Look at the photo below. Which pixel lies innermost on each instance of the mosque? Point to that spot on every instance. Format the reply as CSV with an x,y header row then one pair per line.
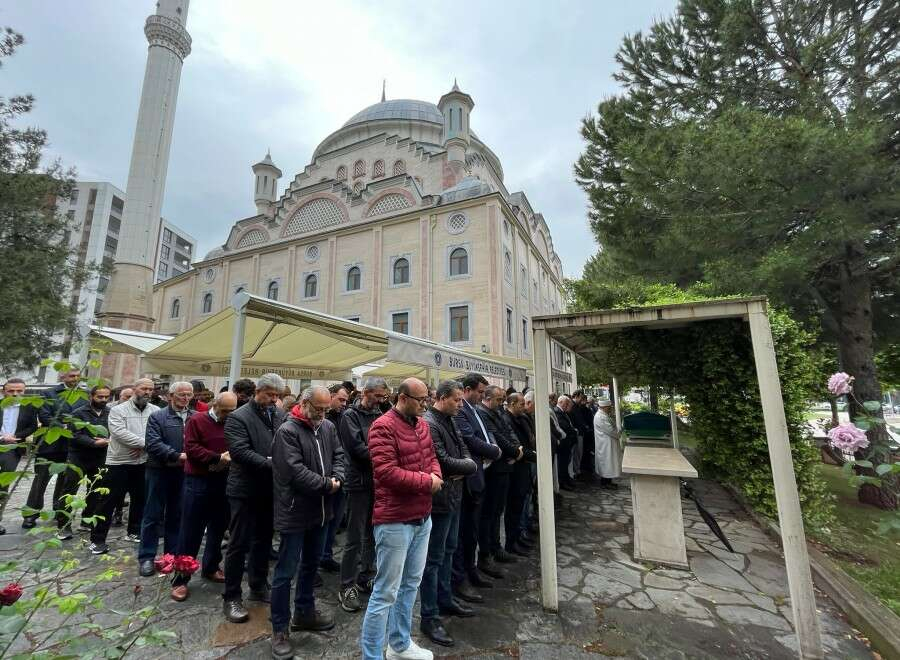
x,y
401,220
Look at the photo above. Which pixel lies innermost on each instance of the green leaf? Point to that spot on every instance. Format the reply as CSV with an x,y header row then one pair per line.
x,y
864,464
46,362
11,624
883,469
6,478
862,424
58,468
872,406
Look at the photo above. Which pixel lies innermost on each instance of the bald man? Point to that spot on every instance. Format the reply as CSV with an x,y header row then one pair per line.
x,y
204,505
407,474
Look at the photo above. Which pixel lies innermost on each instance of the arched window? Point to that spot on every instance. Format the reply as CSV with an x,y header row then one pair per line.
x,y
399,167
238,290
401,271
175,312
359,168
378,169
341,173
272,291
459,262
354,279
311,286
206,306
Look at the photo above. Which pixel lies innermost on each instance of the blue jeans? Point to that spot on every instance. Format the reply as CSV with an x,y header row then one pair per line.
x,y
338,500
401,551
435,590
162,506
296,548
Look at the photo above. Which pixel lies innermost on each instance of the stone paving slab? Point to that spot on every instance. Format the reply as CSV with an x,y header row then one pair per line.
x,y
727,606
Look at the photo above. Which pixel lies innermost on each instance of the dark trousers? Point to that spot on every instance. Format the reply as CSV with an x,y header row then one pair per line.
x,y
359,541
9,461
303,549
71,481
495,490
162,508
587,454
519,491
250,532
121,479
464,559
39,485
563,459
338,504
204,509
435,588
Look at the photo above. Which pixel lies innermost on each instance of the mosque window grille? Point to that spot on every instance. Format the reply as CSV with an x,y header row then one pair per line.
x,y
399,168
312,253
252,237
378,169
341,174
359,168
357,188
507,266
388,203
457,223
315,215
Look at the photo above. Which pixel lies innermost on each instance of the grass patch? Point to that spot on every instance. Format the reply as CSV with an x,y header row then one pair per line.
x,y
854,543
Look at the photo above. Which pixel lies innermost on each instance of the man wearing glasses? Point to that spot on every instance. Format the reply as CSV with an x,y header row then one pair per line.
x,y
359,541
406,474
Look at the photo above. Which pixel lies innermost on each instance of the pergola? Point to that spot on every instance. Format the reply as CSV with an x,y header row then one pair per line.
x,y
576,332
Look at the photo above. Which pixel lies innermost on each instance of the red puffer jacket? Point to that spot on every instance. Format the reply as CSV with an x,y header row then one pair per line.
x,y
403,461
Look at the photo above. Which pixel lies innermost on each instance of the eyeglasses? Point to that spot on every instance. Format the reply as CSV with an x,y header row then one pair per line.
x,y
420,399
320,409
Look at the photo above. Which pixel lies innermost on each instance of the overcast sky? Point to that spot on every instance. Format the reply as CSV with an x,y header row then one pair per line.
x,y
283,75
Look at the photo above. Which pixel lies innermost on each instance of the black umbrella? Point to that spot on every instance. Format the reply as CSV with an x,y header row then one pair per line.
x,y
706,515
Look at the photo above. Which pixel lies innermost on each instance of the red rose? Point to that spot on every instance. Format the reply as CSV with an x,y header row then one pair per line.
x,y
10,593
185,565
164,564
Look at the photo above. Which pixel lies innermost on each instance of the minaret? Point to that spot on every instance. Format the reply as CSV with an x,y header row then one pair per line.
x,y
265,189
129,300
456,106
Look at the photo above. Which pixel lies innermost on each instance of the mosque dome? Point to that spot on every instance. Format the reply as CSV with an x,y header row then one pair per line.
x,y
408,109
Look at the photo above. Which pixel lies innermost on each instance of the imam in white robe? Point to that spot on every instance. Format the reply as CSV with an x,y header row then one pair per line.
x,y
607,451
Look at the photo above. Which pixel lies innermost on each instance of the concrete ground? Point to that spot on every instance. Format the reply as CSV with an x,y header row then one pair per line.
x,y
726,606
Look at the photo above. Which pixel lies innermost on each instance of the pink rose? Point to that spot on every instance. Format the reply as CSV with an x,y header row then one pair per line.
x,y
848,438
164,564
185,565
840,383
10,593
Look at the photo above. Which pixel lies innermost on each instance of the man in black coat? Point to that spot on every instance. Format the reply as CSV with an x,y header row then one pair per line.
x,y
339,398
484,451
359,542
570,442
307,471
87,451
520,477
249,432
583,418
496,478
64,399
456,464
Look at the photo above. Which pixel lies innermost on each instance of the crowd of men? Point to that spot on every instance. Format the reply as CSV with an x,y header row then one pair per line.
x,y
424,481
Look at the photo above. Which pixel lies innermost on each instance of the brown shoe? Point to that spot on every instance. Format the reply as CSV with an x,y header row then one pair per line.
x,y
218,576
180,593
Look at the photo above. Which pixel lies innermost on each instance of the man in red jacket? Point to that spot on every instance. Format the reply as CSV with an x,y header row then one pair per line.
x,y
407,474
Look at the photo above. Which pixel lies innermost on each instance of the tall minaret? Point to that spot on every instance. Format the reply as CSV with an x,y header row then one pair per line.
x,y
129,299
456,106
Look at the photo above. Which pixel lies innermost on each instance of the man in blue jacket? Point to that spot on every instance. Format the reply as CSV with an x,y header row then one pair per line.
x,y
164,476
483,451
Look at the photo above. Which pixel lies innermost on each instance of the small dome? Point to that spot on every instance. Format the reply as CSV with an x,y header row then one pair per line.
x,y
214,253
399,109
470,186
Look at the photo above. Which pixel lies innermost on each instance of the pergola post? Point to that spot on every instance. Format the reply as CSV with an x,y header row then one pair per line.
x,y
793,539
549,587
617,408
237,338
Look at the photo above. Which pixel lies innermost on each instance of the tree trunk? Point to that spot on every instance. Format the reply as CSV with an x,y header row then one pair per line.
x,y
654,398
857,357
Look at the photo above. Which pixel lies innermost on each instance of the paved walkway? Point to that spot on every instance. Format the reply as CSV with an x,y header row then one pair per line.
x,y
726,606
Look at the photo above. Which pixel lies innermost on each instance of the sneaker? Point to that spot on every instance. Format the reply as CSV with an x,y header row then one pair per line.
x,y
412,652
366,586
349,599
98,548
64,534
134,538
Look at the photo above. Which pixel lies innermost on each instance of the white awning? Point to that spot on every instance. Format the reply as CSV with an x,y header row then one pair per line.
x,y
126,341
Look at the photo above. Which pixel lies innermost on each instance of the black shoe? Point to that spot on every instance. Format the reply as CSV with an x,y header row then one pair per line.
x,y
2,530
28,523
261,596
465,592
433,629
609,485
476,579
329,566
526,541
313,620
366,586
520,549
317,581
273,554
282,649
147,568
235,611
504,557
457,609
568,487
490,569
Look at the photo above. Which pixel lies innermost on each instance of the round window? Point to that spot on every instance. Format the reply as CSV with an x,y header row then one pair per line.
x,y
210,274
312,253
